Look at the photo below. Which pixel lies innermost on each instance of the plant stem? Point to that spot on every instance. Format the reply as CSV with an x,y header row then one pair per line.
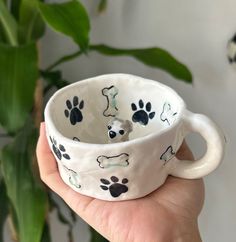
x,y
70,57
9,24
31,27
37,111
38,103
64,59
38,97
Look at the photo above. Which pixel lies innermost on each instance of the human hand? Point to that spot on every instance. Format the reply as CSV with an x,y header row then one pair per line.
x,y
168,214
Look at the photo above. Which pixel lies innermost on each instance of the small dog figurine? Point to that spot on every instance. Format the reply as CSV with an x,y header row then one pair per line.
x,y
118,130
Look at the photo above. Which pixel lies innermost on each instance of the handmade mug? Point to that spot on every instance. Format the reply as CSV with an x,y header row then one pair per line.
x,y
77,118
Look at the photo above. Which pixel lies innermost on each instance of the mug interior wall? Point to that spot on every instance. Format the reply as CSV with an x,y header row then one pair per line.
x,y
82,111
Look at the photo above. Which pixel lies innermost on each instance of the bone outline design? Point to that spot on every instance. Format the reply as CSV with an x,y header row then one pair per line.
x,y
73,177
116,160
167,114
168,154
110,93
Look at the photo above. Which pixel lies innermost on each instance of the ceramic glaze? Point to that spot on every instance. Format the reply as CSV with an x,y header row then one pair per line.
x,y
78,119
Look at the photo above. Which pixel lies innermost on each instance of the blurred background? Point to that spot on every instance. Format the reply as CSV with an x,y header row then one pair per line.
x,y
197,32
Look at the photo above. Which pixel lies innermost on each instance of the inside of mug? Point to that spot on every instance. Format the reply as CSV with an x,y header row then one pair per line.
x,y
113,108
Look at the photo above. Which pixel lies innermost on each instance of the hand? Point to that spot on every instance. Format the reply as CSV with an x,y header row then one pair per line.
x,y
168,214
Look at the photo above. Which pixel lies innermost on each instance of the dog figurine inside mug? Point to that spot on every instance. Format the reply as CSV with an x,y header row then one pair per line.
x,y
118,130
115,136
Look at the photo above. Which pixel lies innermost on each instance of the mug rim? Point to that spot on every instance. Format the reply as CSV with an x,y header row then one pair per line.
x,y
50,124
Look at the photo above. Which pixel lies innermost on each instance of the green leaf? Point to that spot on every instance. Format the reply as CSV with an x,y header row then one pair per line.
x,y
25,192
154,57
96,237
2,34
18,75
3,208
64,59
15,8
14,221
102,6
9,24
69,18
46,237
31,24
54,78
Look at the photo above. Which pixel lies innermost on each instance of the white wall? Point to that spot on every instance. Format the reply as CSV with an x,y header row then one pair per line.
x,y
196,32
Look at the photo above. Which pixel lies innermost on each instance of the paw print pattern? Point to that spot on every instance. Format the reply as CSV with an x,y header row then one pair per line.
x,y
59,152
142,114
115,189
74,111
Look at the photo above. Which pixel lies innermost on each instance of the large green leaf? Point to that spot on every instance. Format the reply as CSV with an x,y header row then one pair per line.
x,y
154,57
46,236
54,78
25,192
3,208
18,75
2,34
15,8
31,24
69,18
64,59
9,24
96,237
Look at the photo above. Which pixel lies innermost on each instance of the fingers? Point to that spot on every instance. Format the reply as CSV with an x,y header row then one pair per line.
x,y
50,176
46,160
48,166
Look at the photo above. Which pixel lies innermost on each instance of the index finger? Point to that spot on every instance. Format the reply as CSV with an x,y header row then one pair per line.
x,y
48,166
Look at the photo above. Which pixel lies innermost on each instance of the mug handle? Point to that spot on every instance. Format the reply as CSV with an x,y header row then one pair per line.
x,y
215,147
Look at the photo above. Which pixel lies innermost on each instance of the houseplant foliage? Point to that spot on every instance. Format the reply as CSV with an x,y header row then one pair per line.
x,y
24,200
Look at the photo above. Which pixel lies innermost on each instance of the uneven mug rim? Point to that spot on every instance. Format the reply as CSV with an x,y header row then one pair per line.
x,y
51,126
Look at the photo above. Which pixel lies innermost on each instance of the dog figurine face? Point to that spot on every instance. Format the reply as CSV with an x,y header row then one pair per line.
x,y
118,130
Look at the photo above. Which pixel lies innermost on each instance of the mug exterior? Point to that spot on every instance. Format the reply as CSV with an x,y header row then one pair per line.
x,y
143,166
116,171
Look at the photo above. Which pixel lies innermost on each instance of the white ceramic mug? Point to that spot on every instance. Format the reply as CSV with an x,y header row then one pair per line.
x,y
76,122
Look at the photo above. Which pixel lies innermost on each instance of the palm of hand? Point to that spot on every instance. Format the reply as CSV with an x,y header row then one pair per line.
x,y
176,203
148,218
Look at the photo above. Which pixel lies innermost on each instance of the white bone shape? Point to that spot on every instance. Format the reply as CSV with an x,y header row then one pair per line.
x,y
110,93
117,160
168,154
168,114
73,177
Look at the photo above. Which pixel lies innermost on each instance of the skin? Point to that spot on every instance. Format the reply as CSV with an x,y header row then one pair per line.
x,y
168,214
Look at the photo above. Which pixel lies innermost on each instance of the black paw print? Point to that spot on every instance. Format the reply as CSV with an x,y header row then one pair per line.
x,y
116,189
73,111
58,151
142,115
